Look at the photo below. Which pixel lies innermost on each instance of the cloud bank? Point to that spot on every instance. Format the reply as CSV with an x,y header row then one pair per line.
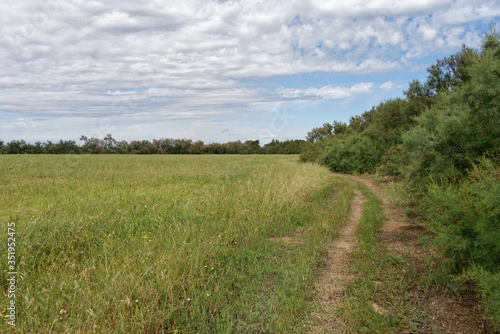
x,y
193,59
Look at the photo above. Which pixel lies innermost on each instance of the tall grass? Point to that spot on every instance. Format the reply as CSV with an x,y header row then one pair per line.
x,y
129,244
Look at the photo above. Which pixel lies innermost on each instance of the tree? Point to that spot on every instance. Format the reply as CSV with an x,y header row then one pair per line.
x,y
319,133
92,145
15,147
65,147
197,147
359,123
491,41
339,128
109,143
417,90
451,71
253,146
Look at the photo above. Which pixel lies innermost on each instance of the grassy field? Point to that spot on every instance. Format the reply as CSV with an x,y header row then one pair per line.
x,y
172,244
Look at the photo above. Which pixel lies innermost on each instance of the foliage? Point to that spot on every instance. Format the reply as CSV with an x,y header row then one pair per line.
x,y
355,154
284,147
109,145
319,133
326,131
450,72
443,142
360,147
466,218
459,128
488,285
311,151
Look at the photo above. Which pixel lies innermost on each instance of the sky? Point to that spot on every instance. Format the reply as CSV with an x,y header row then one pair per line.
x,y
216,70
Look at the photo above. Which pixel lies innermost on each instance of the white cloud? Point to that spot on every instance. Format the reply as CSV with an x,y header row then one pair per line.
x,y
387,85
326,92
361,8
184,57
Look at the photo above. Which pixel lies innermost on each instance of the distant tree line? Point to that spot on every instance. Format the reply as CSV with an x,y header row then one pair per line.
x,y
442,141
109,145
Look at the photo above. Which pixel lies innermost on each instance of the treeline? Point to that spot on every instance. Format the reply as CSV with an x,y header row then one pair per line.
x,y
442,140
108,145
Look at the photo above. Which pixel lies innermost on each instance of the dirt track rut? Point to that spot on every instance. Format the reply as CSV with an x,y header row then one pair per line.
x,y
336,271
401,236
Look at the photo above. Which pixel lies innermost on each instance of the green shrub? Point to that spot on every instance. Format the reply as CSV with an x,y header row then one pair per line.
x,y
311,152
356,153
465,217
488,285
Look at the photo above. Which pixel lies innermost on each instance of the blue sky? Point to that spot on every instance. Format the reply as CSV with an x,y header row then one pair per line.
x,y
212,70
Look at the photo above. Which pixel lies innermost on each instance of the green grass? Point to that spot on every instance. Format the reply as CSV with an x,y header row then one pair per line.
x,y
379,299
172,244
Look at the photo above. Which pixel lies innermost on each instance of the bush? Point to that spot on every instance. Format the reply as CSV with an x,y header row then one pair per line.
x,y
465,217
312,151
356,153
488,285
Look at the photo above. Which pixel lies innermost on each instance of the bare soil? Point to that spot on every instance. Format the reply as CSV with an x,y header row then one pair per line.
x,y
336,272
401,236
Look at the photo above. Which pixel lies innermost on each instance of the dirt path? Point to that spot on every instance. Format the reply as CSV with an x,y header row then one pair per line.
x,y
401,236
336,272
